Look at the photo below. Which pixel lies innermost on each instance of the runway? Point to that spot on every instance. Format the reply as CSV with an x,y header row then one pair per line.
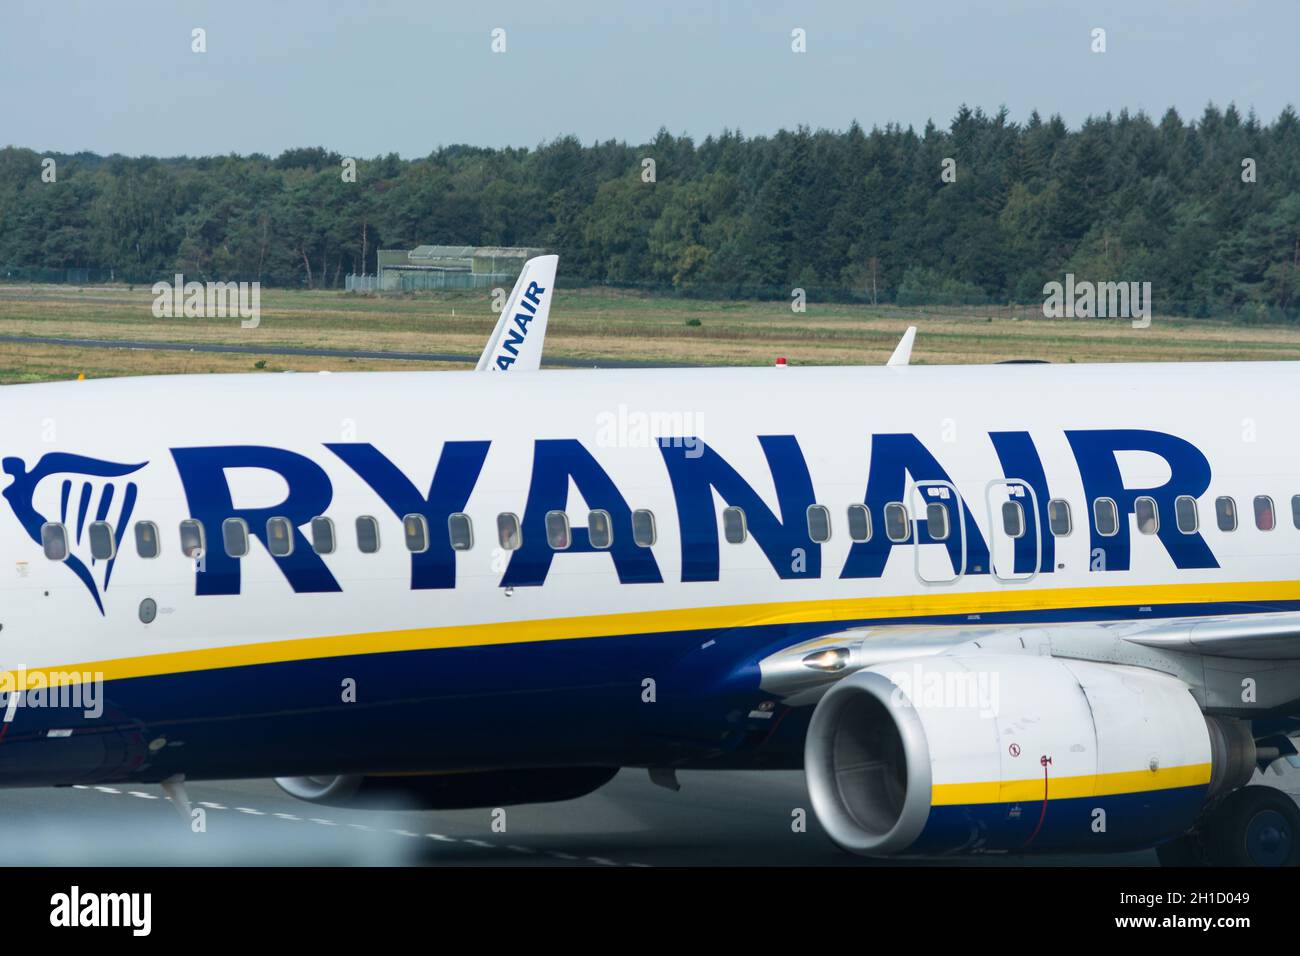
x,y
721,818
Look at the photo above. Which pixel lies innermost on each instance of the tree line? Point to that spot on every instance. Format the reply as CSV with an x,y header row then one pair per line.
x,y
1207,210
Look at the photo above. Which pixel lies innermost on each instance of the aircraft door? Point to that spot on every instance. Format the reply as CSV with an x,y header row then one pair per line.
x,y
1015,538
938,532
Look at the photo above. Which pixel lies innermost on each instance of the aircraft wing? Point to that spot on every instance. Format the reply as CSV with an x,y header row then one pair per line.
x,y
516,341
1180,646
1243,636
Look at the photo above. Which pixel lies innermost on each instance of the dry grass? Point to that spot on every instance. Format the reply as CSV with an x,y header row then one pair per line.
x,y
588,324
47,363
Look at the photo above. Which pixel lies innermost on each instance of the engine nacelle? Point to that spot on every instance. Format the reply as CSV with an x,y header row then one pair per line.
x,y
448,791
982,752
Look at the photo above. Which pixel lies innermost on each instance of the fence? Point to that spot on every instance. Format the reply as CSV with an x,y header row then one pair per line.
x,y
76,275
70,276
426,280
921,301
361,283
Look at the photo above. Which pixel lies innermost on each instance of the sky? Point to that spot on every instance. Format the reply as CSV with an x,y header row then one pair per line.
x,y
408,76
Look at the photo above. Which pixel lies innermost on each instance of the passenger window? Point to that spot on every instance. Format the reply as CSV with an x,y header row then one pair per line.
x,y
1059,520
733,525
1225,511
643,528
1013,519
1147,514
461,532
322,535
600,531
1264,519
192,538
557,530
234,535
1185,514
1105,514
819,523
367,534
859,523
508,531
416,531
279,537
896,523
1295,510
146,539
102,545
936,521
54,540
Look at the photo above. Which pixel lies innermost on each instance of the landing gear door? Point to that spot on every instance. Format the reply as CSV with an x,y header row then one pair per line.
x,y
1015,538
938,532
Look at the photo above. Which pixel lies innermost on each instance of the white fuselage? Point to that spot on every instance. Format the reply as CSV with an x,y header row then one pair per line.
x,y
1239,417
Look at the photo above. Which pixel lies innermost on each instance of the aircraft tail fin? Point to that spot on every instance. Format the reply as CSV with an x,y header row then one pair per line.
x,y
903,351
516,342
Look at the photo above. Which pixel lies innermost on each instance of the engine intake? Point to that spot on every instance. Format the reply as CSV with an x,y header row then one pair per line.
x,y
982,752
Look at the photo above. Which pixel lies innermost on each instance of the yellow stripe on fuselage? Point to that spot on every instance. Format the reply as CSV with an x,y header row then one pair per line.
x,y
725,617
1066,788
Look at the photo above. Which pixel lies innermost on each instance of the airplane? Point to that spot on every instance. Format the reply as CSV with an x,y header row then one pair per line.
x,y
1005,609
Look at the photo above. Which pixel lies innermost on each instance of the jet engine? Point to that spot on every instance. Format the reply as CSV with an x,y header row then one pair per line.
x,y
983,752
448,791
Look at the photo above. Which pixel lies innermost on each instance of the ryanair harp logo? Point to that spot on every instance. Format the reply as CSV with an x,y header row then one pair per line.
x,y
75,491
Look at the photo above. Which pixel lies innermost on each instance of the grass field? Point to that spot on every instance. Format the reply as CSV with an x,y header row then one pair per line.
x,y
588,324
